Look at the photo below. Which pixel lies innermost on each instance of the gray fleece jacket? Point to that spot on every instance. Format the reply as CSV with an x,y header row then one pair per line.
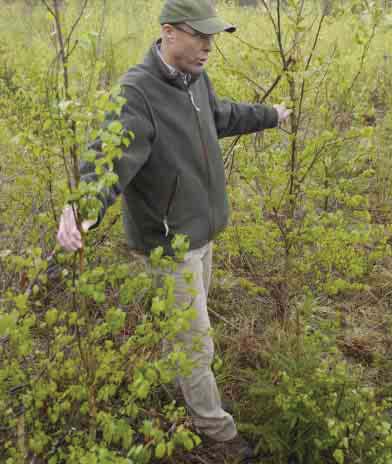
x,y
171,176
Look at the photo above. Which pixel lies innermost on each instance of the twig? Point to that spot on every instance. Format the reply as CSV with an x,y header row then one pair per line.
x,y
320,150
316,39
199,458
279,35
75,24
105,236
266,6
240,73
51,11
363,56
227,155
222,318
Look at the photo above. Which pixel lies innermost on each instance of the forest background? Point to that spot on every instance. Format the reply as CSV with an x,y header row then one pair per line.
x,y
301,293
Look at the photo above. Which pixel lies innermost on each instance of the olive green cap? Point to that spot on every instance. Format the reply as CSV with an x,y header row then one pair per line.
x,y
198,14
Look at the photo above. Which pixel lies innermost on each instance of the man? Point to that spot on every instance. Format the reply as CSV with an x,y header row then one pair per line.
x,y
172,179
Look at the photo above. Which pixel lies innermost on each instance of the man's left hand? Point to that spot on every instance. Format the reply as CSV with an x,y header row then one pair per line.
x,y
283,113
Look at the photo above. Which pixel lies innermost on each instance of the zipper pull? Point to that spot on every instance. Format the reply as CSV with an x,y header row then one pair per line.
x,y
166,225
193,101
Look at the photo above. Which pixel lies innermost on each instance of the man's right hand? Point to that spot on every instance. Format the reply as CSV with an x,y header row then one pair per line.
x,y
68,235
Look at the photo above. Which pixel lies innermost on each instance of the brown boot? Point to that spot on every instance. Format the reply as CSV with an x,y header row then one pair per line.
x,y
234,451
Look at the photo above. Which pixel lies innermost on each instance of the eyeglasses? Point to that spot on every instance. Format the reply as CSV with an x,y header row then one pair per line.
x,y
193,33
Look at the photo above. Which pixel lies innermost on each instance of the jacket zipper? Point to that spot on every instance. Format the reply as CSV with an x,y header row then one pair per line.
x,y
169,205
193,100
197,109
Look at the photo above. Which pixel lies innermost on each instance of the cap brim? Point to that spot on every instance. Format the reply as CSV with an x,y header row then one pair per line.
x,y
211,26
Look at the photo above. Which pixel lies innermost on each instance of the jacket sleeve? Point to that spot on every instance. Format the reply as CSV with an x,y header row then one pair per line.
x,y
240,118
136,117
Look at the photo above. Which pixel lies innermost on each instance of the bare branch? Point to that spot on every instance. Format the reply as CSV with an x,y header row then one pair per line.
x,y
318,152
75,24
279,35
316,39
240,73
265,51
266,6
228,154
363,57
51,11
309,60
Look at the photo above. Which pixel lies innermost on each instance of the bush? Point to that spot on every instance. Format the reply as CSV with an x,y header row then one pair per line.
x,y
312,405
76,379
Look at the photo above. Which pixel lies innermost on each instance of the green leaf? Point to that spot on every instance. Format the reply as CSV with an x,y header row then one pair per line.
x,y
143,391
21,301
196,439
339,456
170,448
51,317
115,318
188,443
115,127
89,156
160,450
158,306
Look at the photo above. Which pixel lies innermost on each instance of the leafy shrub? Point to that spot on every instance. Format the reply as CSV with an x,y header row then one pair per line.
x,y
311,404
76,378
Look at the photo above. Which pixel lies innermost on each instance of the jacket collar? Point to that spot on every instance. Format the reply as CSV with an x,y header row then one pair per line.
x,y
157,66
172,69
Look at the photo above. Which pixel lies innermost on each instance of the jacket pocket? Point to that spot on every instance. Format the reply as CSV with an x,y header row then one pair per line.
x,y
170,203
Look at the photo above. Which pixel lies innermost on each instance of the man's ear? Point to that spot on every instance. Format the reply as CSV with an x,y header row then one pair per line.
x,y
168,32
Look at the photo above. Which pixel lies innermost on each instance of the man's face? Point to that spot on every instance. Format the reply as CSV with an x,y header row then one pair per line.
x,y
189,49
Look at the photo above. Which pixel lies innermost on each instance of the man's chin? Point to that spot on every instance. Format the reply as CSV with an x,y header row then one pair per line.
x,y
196,70
193,70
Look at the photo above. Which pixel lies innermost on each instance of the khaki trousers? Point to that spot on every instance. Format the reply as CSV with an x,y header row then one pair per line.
x,y
199,389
